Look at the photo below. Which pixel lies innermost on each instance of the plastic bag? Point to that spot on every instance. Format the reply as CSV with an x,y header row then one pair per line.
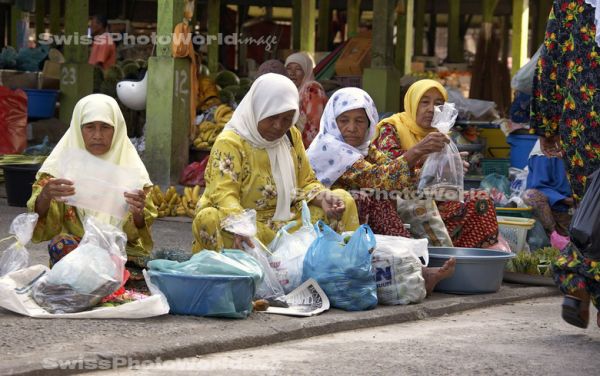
x,y
442,175
16,256
269,288
519,184
242,224
289,251
13,121
83,277
425,221
469,108
193,174
398,269
523,79
498,187
585,227
343,269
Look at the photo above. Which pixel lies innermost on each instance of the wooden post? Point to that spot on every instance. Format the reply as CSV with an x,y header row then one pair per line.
x,y
54,17
77,76
404,36
543,8
15,15
455,43
168,104
352,18
214,15
520,31
382,80
242,49
431,33
307,26
296,22
324,23
419,26
505,36
40,15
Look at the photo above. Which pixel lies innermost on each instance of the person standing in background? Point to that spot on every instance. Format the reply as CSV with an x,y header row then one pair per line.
x,y
104,51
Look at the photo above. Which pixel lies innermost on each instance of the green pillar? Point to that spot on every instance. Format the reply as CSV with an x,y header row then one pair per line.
x,y
54,17
324,22
382,80
40,15
352,17
520,31
489,7
77,76
307,26
404,40
168,103
296,21
455,43
419,26
543,7
214,15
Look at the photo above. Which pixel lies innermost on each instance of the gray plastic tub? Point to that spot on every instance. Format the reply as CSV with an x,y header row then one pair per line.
x,y
478,271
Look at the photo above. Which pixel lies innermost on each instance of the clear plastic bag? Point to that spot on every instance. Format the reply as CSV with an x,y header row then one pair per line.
x,y
83,277
289,251
16,256
523,79
242,224
398,269
442,175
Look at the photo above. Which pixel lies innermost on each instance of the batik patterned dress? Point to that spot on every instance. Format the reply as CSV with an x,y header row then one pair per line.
x,y
312,102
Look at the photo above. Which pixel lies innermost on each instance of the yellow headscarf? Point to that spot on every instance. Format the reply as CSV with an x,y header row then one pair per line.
x,y
409,132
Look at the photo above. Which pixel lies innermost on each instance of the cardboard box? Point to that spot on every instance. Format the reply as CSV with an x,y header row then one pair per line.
x,y
19,80
355,57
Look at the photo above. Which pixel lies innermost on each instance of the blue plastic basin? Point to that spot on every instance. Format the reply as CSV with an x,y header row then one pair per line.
x,y
41,103
478,271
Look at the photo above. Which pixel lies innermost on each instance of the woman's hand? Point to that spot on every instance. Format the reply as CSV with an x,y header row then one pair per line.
x,y
332,205
464,155
57,190
137,202
551,146
239,240
432,143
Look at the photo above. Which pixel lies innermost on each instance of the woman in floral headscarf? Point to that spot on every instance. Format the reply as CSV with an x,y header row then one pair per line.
x,y
299,68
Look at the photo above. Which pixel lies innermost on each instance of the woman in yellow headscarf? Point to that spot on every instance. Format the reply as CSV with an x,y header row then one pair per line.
x,y
97,130
409,133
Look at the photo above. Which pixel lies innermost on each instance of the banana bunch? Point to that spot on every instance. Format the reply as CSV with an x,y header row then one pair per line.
x,y
209,130
189,200
166,203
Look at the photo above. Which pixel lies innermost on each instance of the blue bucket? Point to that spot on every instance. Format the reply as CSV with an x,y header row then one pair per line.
x,y
41,103
520,147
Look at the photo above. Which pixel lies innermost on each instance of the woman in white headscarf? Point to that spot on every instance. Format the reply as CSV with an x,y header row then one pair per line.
x,y
299,67
97,130
258,162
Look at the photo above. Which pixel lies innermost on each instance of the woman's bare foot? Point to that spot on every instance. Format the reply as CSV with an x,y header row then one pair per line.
x,y
433,276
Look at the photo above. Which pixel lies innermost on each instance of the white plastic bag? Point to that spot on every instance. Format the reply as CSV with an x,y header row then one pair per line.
x,y
289,251
16,256
442,175
242,224
87,274
398,269
101,191
523,79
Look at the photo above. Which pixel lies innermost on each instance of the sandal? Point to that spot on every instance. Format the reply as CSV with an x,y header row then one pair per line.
x,y
572,312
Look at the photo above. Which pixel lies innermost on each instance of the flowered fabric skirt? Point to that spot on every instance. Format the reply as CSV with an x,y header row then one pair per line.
x,y
573,271
380,215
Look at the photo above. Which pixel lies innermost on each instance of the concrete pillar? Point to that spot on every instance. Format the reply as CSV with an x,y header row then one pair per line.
x,y
419,26
455,43
214,16
382,80
307,26
77,76
520,31
40,15
404,35
352,18
168,103
54,17
324,23
489,6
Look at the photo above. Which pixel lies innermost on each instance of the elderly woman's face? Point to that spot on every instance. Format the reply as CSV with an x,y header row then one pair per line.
x,y
353,126
429,100
295,73
274,127
97,137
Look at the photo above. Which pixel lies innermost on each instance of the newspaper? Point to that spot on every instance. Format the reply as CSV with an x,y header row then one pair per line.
x,y
306,300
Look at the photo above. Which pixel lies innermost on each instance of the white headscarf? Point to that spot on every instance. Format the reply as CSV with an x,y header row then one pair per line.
x,y
596,5
307,64
270,94
329,154
97,107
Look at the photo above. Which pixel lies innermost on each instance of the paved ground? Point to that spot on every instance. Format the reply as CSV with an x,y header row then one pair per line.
x,y
525,338
31,346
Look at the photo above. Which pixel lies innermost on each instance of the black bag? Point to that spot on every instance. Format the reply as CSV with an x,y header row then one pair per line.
x,y
585,227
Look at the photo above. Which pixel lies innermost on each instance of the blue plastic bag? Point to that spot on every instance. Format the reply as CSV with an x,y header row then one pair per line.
x,y
343,270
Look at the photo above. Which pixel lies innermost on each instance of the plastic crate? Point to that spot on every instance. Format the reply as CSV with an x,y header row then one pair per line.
x,y
514,230
515,212
349,81
499,166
